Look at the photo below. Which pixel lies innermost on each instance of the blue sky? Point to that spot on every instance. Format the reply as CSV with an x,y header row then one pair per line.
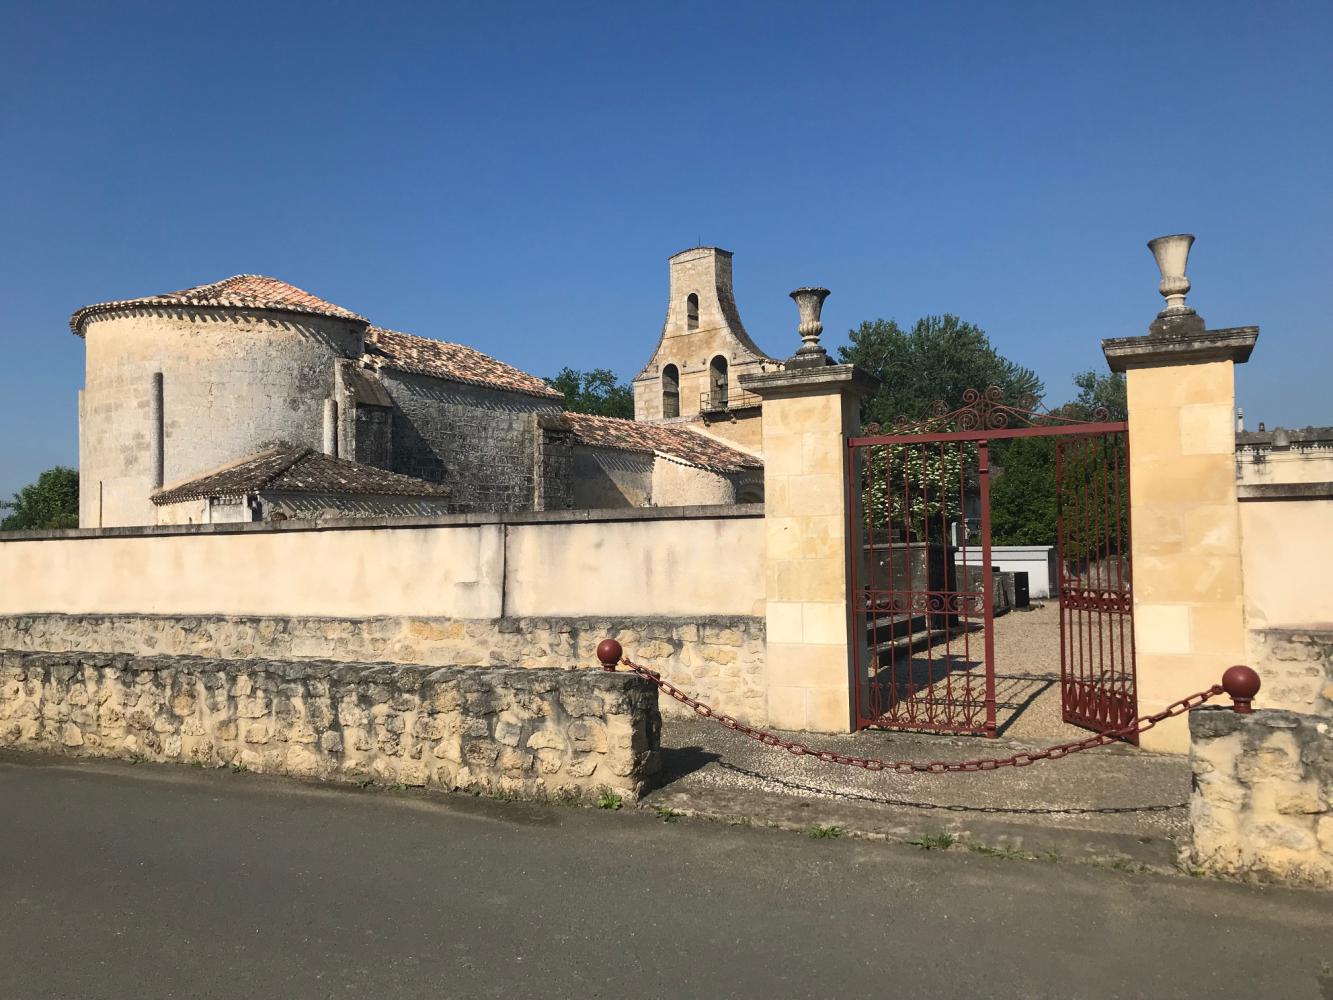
x,y
514,176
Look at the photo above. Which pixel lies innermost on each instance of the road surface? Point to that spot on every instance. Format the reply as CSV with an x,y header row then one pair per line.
x,y
161,881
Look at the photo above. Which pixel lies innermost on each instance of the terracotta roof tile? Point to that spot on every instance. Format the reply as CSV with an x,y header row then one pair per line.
x,y
298,470
679,443
405,352
243,291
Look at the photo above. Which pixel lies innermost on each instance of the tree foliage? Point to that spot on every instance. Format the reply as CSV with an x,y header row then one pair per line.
x,y
914,491
1096,390
937,360
51,502
598,392
1024,500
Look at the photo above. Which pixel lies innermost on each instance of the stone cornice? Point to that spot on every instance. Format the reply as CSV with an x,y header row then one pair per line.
x,y
1284,491
1231,344
717,512
799,381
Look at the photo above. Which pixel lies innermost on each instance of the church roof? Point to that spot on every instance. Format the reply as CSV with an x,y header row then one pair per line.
x,y
241,291
679,443
386,349
290,469
405,352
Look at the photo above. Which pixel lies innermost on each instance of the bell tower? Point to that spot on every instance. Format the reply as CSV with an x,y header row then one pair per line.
x,y
703,348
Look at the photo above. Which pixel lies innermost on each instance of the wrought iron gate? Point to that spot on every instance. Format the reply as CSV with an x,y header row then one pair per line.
x,y
922,588
1097,681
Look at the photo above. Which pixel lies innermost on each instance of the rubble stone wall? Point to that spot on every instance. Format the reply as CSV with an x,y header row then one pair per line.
x,y
537,733
1263,795
719,659
1296,665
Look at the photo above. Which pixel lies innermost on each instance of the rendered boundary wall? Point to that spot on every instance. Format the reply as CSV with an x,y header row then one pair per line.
x,y
537,733
682,588
1286,541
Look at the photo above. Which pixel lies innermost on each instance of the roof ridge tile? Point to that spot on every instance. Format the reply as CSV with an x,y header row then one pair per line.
x,y
240,291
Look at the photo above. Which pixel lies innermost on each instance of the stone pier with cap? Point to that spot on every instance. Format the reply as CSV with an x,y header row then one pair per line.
x,y
811,407
1188,607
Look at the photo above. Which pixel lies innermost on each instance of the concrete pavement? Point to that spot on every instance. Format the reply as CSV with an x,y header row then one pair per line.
x,y
1113,803
164,881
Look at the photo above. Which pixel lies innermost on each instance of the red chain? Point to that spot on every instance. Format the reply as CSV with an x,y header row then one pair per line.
x,y
935,766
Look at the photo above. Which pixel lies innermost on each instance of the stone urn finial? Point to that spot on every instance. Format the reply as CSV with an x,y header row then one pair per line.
x,y
810,301
1172,254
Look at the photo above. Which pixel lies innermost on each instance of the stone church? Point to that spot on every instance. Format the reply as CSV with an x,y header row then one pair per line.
x,y
251,399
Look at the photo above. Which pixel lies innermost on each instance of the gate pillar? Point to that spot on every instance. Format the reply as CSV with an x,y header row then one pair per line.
x,y
1185,519
810,408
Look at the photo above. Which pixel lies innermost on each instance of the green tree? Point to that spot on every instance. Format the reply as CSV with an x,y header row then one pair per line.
x,y
914,489
939,359
51,502
1095,391
1024,499
1023,495
598,392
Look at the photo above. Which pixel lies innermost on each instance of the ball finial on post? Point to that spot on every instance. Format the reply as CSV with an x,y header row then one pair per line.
x,y
609,652
1242,683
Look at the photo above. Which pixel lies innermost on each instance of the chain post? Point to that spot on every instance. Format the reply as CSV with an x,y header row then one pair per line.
x,y
1242,684
609,652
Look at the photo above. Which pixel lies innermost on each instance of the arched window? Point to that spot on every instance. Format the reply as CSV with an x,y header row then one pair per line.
x,y
717,382
692,311
670,391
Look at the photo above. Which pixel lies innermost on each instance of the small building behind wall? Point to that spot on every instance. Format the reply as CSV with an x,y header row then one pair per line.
x,y
1285,486
1284,456
292,482
1037,561
629,463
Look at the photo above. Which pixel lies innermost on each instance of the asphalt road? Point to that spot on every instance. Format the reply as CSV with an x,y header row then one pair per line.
x,y
155,881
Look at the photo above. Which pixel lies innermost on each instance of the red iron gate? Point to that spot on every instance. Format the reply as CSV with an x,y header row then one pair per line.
x,y
1097,680
922,586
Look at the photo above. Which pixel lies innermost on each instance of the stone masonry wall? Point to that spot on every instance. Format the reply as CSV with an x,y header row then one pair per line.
x,y
1263,795
560,733
1296,665
553,464
718,659
479,441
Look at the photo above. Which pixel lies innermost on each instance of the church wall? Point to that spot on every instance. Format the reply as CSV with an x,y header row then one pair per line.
x,y
232,384
609,478
480,442
744,430
679,485
195,512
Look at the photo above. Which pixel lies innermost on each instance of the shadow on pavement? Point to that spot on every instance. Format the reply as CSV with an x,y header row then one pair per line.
x,y
677,762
